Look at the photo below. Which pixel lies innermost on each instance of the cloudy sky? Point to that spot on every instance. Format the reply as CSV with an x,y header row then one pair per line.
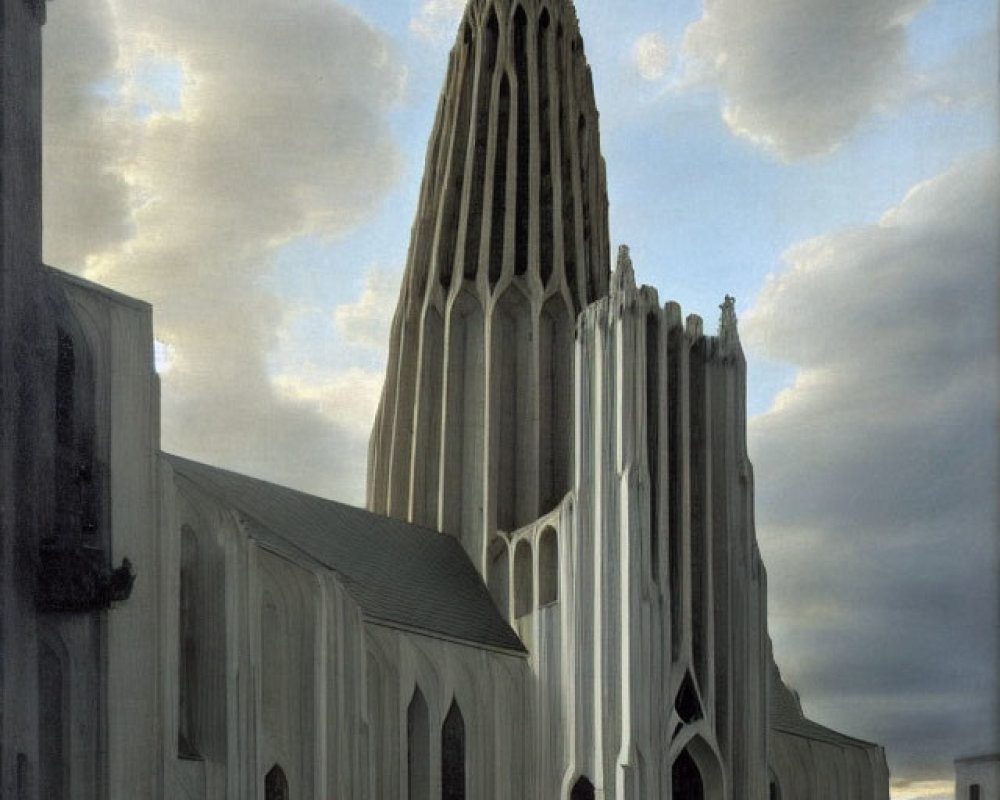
x,y
251,167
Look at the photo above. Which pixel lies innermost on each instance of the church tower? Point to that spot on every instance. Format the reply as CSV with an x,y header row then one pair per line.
x,y
474,429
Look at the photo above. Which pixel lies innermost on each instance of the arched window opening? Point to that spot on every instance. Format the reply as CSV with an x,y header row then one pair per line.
x,y
555,439
974,791
276,784
548,567
653,435
418,748
499,575
583,789
428,431
522,213
456,171
498,215
583,140
687,705
512,342
480,144
188,650
463,432
546,144
453,755
676,342
524,599
775,793
567,189
686,779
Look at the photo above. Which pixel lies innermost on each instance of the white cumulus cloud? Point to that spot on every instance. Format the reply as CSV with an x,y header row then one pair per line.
x,y
651,55
184,145
437,20
366,322
799,77
877,472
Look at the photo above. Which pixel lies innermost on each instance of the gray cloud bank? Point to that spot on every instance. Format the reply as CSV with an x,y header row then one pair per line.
x,y
799,77
280,130
877,472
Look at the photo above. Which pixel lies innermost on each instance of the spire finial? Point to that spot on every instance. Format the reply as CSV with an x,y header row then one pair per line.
x,y
728,328
624,276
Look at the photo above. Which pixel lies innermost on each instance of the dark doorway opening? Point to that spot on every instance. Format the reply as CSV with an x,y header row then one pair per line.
x,y
687,780
582,790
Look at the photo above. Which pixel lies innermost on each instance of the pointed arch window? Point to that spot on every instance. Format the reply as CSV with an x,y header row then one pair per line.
x,y
276,784
583,789
548,567
686,779
418,754
524,599
453,755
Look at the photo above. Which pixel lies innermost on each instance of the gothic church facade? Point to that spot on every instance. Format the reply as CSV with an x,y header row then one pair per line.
x,y
556,589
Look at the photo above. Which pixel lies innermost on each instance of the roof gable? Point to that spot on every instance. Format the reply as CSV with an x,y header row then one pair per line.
x,y
400,574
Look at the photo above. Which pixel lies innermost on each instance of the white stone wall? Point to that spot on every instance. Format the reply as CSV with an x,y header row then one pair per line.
x,y
290,673
121,684
983,771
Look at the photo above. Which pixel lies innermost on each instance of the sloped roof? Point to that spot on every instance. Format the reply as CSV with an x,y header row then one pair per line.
x,y
786,716
399,573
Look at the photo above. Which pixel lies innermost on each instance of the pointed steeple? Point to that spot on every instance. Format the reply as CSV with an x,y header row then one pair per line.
x,y
514,182
509,244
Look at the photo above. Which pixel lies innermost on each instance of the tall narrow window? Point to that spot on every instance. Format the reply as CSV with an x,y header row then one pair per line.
x,y
545,143
524,600
499,575
418,748
187,731
653,435
974,792
548,567
512,342
522,213
453,755
498,215
583,789
567,188
480,143
276,784
686,779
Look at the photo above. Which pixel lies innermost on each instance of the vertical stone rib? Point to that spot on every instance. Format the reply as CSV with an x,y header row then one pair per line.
x,y
522,203
498,207
675,346
446,231
567,179
546,149
480,146
425,464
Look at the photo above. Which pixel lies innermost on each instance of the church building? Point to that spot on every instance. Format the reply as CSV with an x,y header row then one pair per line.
x,y
555,590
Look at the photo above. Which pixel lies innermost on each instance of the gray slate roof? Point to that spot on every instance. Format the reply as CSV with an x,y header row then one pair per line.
x,y
399,573
786,716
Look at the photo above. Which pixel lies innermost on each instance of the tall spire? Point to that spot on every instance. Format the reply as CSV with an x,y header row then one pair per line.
x,y
509,244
